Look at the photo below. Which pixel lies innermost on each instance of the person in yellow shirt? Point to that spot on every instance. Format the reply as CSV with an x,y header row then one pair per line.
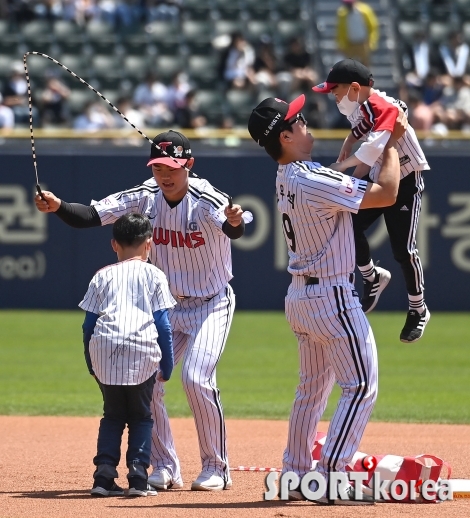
x,y
357,31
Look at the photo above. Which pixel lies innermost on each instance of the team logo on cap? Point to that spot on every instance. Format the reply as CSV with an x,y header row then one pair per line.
x,y
164,145
280,100
321,85
178,150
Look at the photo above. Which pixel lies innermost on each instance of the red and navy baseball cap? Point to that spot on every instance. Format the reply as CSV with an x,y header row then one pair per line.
x,y
266,119
346,71
174,144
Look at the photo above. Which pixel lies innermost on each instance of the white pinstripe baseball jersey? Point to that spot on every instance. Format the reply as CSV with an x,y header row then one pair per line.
x,y
123,347
315,203
369,122
188,245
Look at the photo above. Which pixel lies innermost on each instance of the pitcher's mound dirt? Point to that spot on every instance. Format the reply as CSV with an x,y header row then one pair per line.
x,y
46,467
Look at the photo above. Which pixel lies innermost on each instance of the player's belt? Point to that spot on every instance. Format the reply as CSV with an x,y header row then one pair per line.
x,y
310,281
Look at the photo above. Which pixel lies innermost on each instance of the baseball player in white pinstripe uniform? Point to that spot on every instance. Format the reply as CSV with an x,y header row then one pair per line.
x,y
372,115
192,228
127,338
334,337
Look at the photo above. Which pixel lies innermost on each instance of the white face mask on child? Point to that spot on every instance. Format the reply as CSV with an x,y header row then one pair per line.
x,y
347,107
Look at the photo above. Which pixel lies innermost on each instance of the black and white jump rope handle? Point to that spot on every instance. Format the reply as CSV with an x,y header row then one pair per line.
x,y
30,103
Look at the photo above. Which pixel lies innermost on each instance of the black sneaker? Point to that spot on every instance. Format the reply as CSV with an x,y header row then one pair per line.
x,y
106,487
414,325
373,289
140,487
348,499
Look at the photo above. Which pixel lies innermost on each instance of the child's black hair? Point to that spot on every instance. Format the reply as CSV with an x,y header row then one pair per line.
x,y
132,229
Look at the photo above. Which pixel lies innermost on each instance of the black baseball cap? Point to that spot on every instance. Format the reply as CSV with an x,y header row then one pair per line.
x,y
346,71
265,120
174,144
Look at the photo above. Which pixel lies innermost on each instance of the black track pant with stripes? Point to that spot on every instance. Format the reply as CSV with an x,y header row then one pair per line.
x,y
401,220
336,344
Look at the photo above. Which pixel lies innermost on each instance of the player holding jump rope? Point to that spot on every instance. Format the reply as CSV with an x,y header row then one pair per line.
x,y
335,339
192,229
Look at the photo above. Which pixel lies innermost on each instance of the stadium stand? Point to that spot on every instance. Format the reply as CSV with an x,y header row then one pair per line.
x,y
115,52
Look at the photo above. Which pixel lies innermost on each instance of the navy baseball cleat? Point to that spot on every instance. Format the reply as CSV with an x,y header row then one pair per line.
x,y
139,487
106,487
373,289
414,326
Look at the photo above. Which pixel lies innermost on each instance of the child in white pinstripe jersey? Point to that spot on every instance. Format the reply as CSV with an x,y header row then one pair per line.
x,y
127,339
335,340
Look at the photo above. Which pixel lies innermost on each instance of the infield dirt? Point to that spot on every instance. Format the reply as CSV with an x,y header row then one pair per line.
x,y
46,467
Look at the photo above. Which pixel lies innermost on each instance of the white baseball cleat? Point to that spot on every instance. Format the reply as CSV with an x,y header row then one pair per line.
x,y
161,479
210,482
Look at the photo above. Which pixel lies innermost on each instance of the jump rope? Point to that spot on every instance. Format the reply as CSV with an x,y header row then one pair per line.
x,y
247,216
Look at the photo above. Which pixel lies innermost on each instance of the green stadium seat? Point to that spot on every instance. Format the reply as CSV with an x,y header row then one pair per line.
x,y
136,66
408,29
101,37
37,33
256,28
287,29
69,36
210,103
76,63
163,31
439,31
203,70
228,26
6,61
167,66
79,98
463,9
196,30
240,104
106,66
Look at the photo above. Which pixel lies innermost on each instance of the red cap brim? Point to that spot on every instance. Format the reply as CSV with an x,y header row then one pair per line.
x,y
295,107
324,88
166,160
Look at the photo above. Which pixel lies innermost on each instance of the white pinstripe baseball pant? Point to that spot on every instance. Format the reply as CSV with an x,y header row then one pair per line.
x,y
200,331
335,343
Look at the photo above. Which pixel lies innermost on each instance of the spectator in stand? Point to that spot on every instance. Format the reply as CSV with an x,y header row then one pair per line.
x,y
7,118
298,63
417,59
421,116
54,106
21,11
454,55
15,94
95,117
237,63
177,90
151,98
432,88
121,13
163,10
189,114
454,110
126,107
265,67
357,31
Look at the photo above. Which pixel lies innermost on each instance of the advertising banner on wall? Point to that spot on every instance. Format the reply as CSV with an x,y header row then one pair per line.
x,y
46,264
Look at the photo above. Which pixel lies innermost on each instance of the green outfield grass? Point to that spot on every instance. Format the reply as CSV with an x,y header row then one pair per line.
x,y
42,370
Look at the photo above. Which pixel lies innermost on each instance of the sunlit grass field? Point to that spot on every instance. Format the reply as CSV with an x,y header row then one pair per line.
x,y
43,372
